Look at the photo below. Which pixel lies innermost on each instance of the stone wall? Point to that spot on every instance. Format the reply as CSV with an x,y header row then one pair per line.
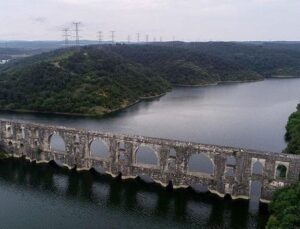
x,y
234,169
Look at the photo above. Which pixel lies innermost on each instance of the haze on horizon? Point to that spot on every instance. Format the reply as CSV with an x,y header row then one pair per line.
x,y
188,20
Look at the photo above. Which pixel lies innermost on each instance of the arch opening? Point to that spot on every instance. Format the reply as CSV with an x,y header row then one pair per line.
x,y
57,143
146,155
122,156
201,163
172,153
281,171
257,168
99,149
122,146
231,161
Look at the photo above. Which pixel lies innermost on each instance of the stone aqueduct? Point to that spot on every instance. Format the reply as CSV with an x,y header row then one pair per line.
x,y
233,168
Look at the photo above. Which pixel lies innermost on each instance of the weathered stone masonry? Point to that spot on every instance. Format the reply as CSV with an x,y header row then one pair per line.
x,y
33,142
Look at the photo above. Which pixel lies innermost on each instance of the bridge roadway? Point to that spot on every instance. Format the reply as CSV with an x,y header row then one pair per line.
x,y
21,139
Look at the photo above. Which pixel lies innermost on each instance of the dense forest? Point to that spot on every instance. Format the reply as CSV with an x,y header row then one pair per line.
x,y
293,132
266,58
184,67
88,80
95,80
285,205
285,208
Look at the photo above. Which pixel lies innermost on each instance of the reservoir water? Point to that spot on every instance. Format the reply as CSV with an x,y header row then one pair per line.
x,y
250,115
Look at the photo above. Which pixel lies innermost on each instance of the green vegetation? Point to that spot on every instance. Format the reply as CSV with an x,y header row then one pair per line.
x,y
2,155
265,58
293,132
89,80
95,80
181,66
285,208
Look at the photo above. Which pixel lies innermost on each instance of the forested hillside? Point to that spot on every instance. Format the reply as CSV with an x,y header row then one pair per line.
x,y
184,67
95,80
265,58
88,80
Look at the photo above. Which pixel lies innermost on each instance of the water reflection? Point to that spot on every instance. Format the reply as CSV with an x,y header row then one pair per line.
x,y
100,199
250,115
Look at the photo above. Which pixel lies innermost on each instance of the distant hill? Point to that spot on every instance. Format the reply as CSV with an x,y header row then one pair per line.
x,y
95,80
265,58
184,67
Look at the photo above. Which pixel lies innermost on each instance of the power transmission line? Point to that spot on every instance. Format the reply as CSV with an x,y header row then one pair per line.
x,y
77,32
147,38
128,39
112,36
66,35
100,37
138,37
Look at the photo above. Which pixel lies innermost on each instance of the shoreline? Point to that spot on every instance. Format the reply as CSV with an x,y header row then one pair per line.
x,y
141,99
217,83
85,115
283,77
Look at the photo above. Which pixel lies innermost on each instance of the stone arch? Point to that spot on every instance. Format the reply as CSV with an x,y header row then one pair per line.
x,y
201,163
146,155
281,171
99,148
257,167
57,143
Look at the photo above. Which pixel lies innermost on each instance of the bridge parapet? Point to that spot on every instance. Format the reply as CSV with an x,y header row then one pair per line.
x,y
234,169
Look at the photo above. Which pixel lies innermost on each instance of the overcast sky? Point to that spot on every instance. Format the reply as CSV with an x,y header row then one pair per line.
x,y
188,20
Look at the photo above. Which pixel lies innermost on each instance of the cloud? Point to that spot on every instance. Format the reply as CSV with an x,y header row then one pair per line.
x,y
39,19
184,19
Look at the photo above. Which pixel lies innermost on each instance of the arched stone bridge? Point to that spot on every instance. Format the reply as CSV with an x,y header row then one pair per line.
x,y
234,169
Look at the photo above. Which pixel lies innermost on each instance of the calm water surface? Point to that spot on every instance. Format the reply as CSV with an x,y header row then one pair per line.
x,y
251,115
